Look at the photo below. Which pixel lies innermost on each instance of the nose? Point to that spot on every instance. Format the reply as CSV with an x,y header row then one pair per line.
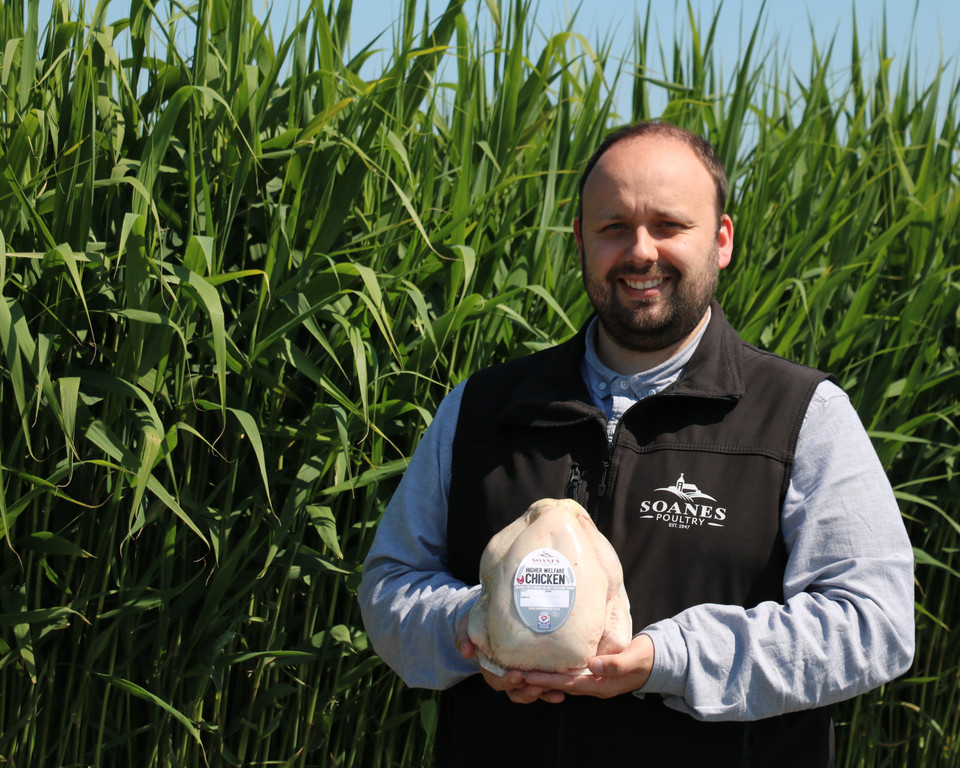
x,y
644,246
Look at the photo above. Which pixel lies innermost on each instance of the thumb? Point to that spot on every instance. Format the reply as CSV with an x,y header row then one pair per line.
x,y
605,666
464,644
466,648
636,660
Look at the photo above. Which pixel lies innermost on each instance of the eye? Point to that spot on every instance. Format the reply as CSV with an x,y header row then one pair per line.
x,y
671,226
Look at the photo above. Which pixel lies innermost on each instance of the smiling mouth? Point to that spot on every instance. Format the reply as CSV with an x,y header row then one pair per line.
x,y
643,285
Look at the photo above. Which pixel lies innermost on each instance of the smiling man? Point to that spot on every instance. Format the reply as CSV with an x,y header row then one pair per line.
x,y
768,570
652,237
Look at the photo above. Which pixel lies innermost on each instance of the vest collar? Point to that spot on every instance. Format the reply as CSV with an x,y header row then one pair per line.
x,y
716,369
555,394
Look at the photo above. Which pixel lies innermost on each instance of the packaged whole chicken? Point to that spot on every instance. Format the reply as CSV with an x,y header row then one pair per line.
x,y
552,593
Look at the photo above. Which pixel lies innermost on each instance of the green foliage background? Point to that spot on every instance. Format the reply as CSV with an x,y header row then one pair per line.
x,y
238,277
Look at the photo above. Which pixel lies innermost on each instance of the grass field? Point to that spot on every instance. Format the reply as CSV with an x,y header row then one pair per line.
x,y
237,280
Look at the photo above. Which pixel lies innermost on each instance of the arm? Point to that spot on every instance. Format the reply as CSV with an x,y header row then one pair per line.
x,y
414,611
411,605
847,622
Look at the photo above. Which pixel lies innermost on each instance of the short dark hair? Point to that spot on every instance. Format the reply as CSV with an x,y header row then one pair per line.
x,y
702,148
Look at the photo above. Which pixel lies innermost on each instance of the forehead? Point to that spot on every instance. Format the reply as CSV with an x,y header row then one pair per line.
x,y
660,168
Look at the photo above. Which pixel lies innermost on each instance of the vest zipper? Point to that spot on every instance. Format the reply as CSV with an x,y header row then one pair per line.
x,y
573,484
602,487
611,449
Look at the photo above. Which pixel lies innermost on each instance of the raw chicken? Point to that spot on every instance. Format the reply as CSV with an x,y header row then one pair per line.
x,y
553,594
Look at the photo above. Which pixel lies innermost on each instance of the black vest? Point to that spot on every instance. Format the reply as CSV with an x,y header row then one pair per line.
x,y
689,494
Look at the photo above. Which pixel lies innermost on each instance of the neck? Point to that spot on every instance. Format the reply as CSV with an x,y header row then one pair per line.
x,y
627,362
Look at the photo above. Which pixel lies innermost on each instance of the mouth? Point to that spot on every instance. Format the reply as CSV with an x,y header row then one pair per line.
x,y
645,287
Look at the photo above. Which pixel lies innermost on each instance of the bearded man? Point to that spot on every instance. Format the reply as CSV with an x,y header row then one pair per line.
x,y
753,615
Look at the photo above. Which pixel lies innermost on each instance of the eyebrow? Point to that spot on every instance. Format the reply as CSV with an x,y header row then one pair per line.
x,y
672,214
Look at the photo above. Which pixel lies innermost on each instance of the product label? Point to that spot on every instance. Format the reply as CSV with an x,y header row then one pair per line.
x,y
544,590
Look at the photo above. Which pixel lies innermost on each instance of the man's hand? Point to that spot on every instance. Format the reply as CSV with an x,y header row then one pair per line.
x,y
612,674
513,682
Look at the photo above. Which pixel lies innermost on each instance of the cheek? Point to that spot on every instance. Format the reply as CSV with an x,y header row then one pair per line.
x,y
591,267
689,257
597,257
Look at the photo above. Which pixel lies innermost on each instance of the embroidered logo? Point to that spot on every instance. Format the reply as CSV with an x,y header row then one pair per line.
x,y
686,510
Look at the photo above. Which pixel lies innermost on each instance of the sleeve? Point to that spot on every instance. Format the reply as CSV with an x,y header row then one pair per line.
x,y
411,605
847,623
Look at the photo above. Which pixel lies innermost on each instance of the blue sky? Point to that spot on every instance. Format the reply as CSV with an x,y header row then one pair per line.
x,y
786,22
929,37
924,29
932,34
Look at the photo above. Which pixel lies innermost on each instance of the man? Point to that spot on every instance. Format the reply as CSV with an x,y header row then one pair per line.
x,y
767,566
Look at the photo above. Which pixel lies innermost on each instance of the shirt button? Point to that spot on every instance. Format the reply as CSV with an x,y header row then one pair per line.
x,y
623,384
602,385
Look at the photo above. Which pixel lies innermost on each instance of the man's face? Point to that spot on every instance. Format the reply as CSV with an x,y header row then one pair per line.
x,y
650,244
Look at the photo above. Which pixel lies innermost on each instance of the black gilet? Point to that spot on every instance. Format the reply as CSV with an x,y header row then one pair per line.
x,y
689,493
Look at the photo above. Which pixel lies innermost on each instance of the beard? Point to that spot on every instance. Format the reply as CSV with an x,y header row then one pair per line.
x,y
655,324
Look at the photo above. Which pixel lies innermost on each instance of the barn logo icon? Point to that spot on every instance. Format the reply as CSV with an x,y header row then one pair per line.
x,y
686,507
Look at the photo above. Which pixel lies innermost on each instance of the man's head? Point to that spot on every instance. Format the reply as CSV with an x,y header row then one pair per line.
x,y
702,148
652,237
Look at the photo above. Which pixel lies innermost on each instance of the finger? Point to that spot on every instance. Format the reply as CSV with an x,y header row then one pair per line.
x,y
525,694
462,639
512,680
552,697
548,680
466,648
520,697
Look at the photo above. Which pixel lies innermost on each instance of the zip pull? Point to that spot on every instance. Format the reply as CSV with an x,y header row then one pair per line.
x,y
573,483
601,489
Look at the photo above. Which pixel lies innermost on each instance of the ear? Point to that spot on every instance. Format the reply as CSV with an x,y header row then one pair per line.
x,y
725,241
579,235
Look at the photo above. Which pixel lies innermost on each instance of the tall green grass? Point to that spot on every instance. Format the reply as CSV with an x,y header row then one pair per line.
x,y
239,275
